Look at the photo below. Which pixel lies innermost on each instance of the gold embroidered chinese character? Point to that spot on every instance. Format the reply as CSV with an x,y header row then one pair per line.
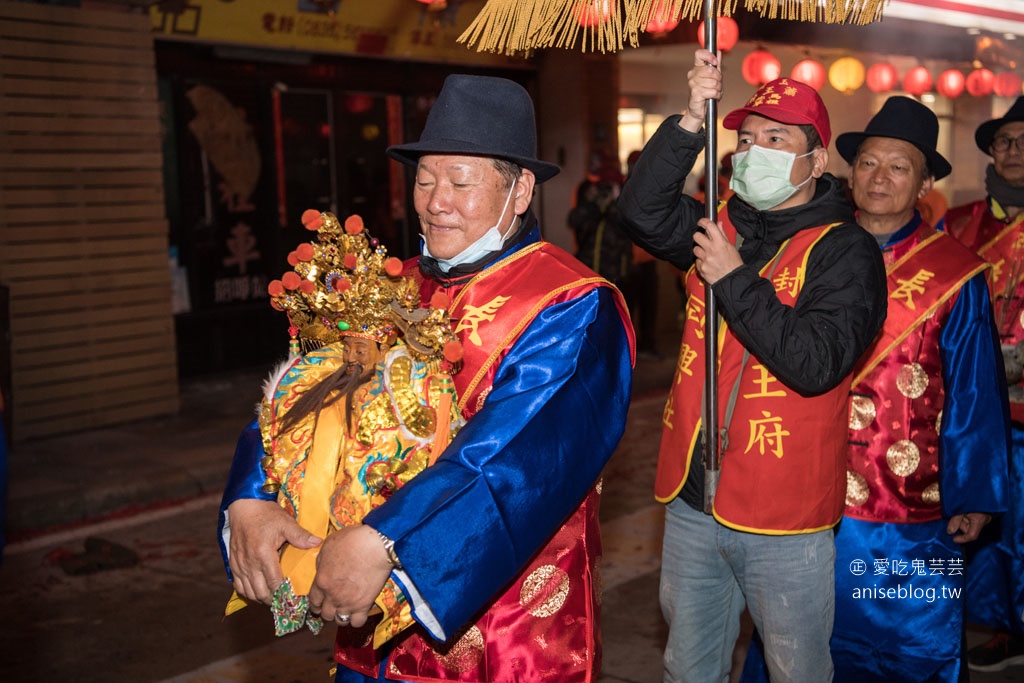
x,y
997,271
666,417
687,355
789,283
474,315
695,312
908,288
767,433
763,381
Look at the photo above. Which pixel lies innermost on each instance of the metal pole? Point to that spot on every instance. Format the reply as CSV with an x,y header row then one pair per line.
x,y
710,417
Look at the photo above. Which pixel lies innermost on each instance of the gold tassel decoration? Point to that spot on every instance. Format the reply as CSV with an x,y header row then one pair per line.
x,y
518,27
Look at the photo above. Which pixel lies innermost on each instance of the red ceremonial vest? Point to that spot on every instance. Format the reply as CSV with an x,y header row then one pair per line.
x,y
783,463
546,625
999,241
898,391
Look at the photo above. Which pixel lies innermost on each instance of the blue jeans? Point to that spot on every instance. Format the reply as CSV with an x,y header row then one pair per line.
x,y
709,572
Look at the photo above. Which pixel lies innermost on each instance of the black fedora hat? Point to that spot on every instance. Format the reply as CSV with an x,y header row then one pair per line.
x,y
905,119
480,116
986,132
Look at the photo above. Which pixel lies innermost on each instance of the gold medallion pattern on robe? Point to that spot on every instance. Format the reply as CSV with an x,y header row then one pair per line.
x,y
903,457
856,489
931,493
862,412
466,653
912,380
544,591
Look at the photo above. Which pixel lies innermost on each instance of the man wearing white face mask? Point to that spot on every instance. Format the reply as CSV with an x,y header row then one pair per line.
x,y
802,292
495,546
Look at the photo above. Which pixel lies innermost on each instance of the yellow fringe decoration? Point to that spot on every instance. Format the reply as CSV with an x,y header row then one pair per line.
x,y
518,27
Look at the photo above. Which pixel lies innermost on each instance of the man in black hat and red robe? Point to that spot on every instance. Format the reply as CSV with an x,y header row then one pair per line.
x,y
994,228
496,545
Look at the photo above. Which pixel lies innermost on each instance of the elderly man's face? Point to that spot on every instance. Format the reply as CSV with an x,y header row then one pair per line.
x,y
1009,163
459,198
887,179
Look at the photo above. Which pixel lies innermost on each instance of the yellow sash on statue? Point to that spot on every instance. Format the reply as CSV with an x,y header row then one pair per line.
x,y
319,481
299,564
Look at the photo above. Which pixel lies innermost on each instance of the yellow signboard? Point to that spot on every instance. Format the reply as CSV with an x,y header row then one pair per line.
x,y
396,29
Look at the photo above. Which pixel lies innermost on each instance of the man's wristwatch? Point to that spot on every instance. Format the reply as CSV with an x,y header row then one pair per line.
x,y
389,547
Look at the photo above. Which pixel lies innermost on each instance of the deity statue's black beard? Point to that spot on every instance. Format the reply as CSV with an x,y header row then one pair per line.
x,y
342,383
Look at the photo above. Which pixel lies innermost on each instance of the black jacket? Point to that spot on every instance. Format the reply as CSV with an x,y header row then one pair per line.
x,y
811,347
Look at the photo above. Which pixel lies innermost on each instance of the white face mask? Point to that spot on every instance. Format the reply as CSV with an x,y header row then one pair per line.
x,y
760,176
490,241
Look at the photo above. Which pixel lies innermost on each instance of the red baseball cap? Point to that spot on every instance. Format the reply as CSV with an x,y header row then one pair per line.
x,y
787,101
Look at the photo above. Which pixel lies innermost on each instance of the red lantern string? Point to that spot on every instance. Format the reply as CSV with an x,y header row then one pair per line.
x,y
727,33
950,83
917,81
810,72
980,82
882,77
761,66
1007,84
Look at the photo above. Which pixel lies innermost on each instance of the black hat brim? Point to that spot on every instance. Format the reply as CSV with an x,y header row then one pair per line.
x,y
848,143
409,154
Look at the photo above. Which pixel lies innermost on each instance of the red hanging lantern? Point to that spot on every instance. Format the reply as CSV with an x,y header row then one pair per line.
x,y
1007,84
435,5
810,72
950,83
917,81
594,13
727,33
980,82
761,66
882,77
661,20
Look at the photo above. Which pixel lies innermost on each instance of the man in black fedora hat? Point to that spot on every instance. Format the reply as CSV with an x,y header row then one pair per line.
x,y
928,421
994,228
495,546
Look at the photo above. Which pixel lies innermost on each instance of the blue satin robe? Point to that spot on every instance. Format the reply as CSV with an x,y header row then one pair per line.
x,y
906,638
511,477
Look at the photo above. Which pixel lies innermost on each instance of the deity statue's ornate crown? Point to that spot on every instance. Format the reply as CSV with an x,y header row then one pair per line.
x,y
345,285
